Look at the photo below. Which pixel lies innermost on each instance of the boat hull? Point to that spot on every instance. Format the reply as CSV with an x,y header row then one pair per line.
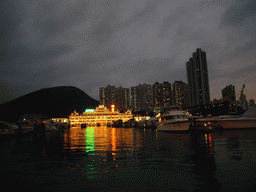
x,y
177,126
237,123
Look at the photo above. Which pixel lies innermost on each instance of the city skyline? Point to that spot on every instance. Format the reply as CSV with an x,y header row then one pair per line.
x,y
90,44
166,94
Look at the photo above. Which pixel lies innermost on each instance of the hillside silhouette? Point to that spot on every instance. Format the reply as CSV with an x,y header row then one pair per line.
x,y
51,102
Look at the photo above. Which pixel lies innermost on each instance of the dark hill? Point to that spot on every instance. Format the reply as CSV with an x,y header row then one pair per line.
x,y
52,102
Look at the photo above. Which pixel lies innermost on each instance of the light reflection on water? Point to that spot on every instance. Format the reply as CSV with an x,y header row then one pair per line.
x,y
104,158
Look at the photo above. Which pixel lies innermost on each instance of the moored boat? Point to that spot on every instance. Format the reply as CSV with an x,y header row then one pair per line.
x,y
175,119
7,128
131,123
11,128
49,126
247,120
204,124
118,123
60,125
238,123
142,123
151,123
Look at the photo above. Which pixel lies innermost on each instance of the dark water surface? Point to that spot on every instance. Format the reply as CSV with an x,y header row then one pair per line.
x,y
130,159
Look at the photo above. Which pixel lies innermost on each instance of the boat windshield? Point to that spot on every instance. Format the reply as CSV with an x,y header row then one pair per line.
x,y
174,117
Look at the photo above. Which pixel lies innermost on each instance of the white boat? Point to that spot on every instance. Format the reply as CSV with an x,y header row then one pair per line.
x,y
247,120
173,120
236,123
251,112
204,124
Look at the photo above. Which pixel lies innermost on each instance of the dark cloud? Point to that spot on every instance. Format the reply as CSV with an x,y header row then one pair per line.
x,y
239,12
90,44
148,11
173,17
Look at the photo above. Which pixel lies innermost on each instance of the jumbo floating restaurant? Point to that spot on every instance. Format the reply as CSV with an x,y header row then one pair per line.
x,y
99,116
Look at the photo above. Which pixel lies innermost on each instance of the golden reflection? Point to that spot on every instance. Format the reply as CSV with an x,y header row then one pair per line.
x,y
103,138
103,144
206,137
74,138
113,142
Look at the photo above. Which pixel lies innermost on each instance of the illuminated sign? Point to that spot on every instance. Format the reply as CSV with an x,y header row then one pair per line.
x,y
89,110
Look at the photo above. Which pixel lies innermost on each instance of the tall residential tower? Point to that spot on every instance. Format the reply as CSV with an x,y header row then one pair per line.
x,y
140,97
108,96
120,97
180,94
229,94
197,77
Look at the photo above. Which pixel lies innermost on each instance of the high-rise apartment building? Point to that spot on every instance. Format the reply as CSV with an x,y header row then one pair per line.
x,y
120,97
166,94
229,94
134,98
157,94
180,94
197,77
140,97
161,94
108,96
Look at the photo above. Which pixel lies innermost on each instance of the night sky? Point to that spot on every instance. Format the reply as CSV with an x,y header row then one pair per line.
x,y
90,44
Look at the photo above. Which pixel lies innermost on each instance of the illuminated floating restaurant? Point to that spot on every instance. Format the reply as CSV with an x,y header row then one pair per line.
x,y
99,116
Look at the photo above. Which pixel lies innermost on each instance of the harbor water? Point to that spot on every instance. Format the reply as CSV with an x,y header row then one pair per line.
x,y
129,159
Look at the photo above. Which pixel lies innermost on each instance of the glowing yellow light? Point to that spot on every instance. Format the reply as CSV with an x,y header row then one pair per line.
x,y
112,108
